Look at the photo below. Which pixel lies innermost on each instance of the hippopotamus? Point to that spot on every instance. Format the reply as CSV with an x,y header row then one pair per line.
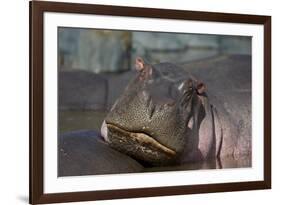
x,y
168,117
163,116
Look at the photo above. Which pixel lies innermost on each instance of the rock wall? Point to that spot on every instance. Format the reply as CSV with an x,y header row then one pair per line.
x,y
102,51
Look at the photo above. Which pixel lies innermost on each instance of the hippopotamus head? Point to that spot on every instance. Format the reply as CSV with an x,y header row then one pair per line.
x,y
149,121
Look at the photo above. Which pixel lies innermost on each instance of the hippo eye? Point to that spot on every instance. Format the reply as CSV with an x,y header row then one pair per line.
x,y
190,89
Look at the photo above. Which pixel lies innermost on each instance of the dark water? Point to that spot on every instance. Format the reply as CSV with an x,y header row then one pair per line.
x,y
79,120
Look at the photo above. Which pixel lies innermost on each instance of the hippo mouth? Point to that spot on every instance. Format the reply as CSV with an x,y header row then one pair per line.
x,y
139,145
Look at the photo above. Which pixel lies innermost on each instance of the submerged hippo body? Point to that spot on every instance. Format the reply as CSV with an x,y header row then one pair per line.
x,y
165,116
83,152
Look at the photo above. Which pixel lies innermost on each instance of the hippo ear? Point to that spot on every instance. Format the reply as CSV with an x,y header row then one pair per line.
x,y
140,64
143,68
200,88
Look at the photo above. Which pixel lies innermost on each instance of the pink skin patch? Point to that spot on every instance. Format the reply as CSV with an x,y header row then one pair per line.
x,y
139,64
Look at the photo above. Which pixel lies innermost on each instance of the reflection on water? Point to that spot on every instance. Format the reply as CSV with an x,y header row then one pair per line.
x,y
224,163
81,120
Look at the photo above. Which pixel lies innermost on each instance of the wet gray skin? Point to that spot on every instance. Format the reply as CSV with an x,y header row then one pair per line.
x,y
153,119
83,152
